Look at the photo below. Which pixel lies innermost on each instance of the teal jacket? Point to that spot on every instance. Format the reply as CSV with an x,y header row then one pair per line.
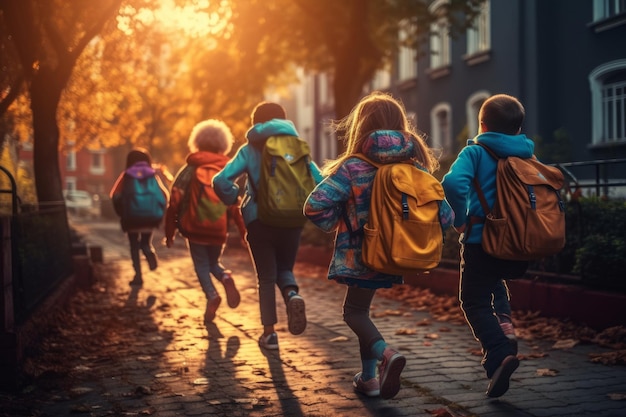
x,y
247,160
474,161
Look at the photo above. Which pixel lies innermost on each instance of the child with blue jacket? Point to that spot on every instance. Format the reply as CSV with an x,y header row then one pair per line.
x,y
377,127
483,293
273,249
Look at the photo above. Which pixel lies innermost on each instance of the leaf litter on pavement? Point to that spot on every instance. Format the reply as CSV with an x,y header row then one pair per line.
x,y
529,326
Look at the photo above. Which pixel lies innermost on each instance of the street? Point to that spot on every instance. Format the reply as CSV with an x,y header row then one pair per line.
x,y
129,352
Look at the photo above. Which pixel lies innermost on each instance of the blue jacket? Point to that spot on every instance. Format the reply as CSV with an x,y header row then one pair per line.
x,y
474,161
247,160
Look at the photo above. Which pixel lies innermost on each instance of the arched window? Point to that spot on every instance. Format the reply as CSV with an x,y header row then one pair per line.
x,y
472,107
608,103
441,128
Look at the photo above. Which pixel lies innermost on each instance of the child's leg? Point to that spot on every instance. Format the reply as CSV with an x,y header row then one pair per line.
x,y
263,255
223,275
201,263
202,266
372,345
148,249
502,309
479,280
356,314
133,240
501,300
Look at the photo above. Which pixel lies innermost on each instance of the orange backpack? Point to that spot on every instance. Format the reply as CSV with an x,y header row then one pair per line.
x,y
527,221
202,213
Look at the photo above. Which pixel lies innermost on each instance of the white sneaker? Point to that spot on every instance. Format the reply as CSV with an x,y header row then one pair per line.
x,y
269,342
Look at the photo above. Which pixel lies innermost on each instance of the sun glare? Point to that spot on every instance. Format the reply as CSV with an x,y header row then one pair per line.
x,y
192,19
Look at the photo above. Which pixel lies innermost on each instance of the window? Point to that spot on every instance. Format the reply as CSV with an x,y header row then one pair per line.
x,y
382,80
70,183
479,34
407,58
608,103
604,9
441,128
439,37
608,14
97,163
71,160
472,108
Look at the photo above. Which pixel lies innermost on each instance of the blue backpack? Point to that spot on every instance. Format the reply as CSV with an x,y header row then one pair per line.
x,y
143,200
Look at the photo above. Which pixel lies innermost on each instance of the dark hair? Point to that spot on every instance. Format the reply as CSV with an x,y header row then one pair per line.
x,y
266,111
138,155
503,114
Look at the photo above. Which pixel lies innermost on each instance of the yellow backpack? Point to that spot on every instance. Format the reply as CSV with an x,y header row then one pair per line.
x,y
286,181
403,234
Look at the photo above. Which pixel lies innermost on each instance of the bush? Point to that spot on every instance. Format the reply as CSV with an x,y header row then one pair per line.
x,y
601,260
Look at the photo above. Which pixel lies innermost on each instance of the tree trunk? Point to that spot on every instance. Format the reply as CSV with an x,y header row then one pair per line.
x,y
45,94
355,63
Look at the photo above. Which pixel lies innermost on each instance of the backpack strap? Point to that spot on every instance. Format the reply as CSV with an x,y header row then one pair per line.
x,y
479,190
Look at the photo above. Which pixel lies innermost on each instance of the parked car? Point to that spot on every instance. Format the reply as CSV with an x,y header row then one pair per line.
x,y
78,201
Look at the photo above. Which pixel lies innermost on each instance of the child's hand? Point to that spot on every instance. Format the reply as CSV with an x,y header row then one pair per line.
x,y
460,229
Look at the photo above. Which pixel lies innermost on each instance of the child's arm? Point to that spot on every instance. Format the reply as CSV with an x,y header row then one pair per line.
x,y
325,203
234,214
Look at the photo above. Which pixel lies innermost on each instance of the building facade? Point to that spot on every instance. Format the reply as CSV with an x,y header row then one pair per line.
x,y
565,60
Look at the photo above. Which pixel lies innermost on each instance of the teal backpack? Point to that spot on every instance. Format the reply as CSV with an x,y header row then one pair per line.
x,y
143,200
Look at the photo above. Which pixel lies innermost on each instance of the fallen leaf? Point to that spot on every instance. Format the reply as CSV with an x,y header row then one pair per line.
x,y
406,331
617,396
432,336
609,358
565,344
338,339
201,381
547,372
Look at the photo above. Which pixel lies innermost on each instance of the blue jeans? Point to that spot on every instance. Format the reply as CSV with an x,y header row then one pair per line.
x,y
273,251
484,296
206,261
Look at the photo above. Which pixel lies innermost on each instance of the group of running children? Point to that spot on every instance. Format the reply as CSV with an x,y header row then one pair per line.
x,y
378,128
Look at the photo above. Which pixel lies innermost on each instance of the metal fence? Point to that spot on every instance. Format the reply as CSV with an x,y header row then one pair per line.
x,y
599,178
40,247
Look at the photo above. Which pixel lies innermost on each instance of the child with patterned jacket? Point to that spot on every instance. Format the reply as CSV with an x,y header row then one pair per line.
x,y
377,127
209,142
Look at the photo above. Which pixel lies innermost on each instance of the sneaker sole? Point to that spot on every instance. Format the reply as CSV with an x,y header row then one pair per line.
x,y
296,316
232,295
500,381
390,382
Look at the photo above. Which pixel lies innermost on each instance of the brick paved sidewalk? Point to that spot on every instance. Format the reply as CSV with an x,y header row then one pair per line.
x,y
163,361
